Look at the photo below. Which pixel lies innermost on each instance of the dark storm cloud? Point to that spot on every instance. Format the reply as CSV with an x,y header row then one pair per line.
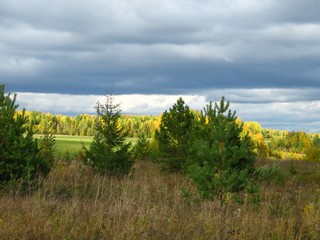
x,y
158,47
252,51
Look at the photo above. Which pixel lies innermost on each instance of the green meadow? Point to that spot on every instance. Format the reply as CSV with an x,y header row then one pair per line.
x,y
69,146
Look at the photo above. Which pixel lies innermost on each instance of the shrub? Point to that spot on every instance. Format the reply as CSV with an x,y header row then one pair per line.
x,y
211,182
313,154
154,148
47,148
141,150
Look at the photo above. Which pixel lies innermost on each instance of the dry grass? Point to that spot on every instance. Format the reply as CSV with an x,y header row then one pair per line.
x,y
74,203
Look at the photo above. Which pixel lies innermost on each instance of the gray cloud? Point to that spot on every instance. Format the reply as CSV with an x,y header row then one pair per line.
x,y
175,47
261,96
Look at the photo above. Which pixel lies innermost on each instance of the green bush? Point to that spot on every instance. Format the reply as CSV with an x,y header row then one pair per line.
x,y
47,148
212,182
141,149
313,154
154,148
21,158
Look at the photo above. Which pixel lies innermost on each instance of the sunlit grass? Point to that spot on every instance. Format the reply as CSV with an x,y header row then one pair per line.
x,y
71,145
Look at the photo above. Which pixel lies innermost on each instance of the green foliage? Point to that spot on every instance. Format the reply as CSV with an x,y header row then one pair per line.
x,y
141,150
221,160
316,140
20,157
154,148
173,136
108,153
293,169
212,182
313,154
47,148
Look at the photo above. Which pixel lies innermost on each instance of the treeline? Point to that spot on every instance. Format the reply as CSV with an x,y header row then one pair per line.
x,y
292,145
269,143
84,124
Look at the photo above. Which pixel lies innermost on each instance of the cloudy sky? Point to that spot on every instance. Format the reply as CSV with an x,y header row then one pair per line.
x,y
263,56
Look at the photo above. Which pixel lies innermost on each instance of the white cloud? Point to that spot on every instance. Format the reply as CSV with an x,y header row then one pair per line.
x,y
156,104
76,104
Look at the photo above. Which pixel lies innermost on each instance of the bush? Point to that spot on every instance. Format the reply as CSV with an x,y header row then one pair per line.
x,y
47,148
21,159
313,154
154,148
211,182
141,150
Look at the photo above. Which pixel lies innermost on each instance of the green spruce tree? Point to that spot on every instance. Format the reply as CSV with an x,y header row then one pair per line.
x,y
108,153
221,160
20,157
173,136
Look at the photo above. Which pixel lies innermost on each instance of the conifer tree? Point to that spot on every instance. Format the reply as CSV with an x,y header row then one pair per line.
x,y
108,153
173,136
20,157
221,160
141,149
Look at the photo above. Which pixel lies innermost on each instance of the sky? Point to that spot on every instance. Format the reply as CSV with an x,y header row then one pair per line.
x,y
263,56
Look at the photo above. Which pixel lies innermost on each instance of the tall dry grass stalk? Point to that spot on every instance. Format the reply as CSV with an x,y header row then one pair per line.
x,y
74,203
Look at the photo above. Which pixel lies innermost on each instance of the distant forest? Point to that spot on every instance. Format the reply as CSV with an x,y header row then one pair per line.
x,y
269,143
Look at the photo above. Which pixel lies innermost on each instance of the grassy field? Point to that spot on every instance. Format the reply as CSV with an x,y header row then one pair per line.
x,y
69,146
75,203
